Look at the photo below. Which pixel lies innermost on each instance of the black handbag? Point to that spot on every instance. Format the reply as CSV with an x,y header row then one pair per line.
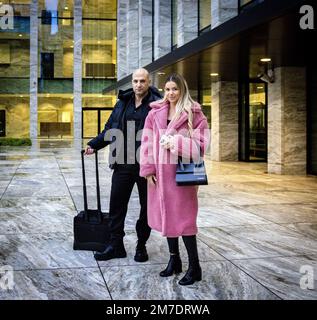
x,y
91,226
192,173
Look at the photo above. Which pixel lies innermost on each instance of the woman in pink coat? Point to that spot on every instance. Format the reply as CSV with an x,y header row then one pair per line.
x,y
176,126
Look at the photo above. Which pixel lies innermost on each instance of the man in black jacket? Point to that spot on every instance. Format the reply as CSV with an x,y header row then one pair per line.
x,y
127,117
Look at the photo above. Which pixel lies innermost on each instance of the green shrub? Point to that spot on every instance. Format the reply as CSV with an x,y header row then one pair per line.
x,y
15,142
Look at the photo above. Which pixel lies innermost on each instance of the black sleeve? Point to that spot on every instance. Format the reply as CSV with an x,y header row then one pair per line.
x,y
99,142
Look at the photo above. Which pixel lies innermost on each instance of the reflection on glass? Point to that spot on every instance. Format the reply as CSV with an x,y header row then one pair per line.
x,y
55,116
244,2
56,39
204,14
15,115
174,24
15,70
257,121
205,100
90,123
104,116
101,9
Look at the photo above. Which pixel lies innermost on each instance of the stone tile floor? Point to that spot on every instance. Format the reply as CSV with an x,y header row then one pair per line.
x,y
257,237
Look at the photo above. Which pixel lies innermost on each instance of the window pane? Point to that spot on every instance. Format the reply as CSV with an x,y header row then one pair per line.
x,y
90,123
257,122
15,71
174,23
101,9
204,14
55,115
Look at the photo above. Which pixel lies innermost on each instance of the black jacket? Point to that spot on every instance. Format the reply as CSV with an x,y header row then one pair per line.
x,y
116,120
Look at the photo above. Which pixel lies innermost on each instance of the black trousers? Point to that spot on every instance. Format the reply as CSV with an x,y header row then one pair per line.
x,y
123,179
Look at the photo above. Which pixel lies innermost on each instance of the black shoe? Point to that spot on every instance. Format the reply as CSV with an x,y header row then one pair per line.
x,y
174,266
193,274
111,252
141,254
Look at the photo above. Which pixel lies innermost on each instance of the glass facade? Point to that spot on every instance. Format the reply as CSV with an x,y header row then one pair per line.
x,y
55,47
204,15
14,69
98,63
174,24
55,69
257,122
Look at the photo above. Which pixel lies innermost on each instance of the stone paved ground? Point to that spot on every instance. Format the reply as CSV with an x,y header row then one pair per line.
x,y
257,237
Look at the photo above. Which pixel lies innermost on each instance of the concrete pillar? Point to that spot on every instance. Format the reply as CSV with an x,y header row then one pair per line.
x,y
145,32
133,36
287,122
224,133
122,36
222,10
33,67
187,21
162,28
77,70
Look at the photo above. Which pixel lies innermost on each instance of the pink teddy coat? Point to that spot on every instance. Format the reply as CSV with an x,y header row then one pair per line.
x,y
172,209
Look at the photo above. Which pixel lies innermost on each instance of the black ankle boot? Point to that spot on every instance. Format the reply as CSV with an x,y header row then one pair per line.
x,y
174,266
193,274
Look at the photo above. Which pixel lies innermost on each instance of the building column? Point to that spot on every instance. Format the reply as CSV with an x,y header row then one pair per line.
x,y
133,36
145,32
225,129
162,28
122,36
187,21
33,67
287,122
77,70
221,11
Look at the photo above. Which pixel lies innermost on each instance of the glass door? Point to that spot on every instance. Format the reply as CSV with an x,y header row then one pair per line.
x,y
257,122
312,119
253,122
90,123
94,120
2,123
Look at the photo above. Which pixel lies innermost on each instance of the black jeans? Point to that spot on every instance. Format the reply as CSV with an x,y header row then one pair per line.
x,y
123,179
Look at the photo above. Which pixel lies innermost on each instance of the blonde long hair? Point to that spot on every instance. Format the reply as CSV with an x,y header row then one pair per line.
x,y
185,101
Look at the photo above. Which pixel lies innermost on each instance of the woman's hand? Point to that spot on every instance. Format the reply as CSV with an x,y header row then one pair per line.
x,y
151,180
167,142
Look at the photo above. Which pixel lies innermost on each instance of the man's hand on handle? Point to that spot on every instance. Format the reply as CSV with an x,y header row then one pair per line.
x,y
89,150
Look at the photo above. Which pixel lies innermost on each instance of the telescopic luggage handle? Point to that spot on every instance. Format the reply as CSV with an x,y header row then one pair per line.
x,y
84,182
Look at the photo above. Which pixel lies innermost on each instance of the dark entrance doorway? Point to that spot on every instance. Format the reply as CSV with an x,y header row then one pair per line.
x,y
2,123
312,119
253,121
47,65
94,120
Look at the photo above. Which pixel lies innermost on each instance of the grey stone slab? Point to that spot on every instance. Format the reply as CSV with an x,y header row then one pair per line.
x,y
158,251
296,196
42,251
37,204
35,222
226,215
307,229
37,189
221,281
257,241
285,213
60,284
284,276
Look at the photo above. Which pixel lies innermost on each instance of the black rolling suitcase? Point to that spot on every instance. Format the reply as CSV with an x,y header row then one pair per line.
x,y
91,227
